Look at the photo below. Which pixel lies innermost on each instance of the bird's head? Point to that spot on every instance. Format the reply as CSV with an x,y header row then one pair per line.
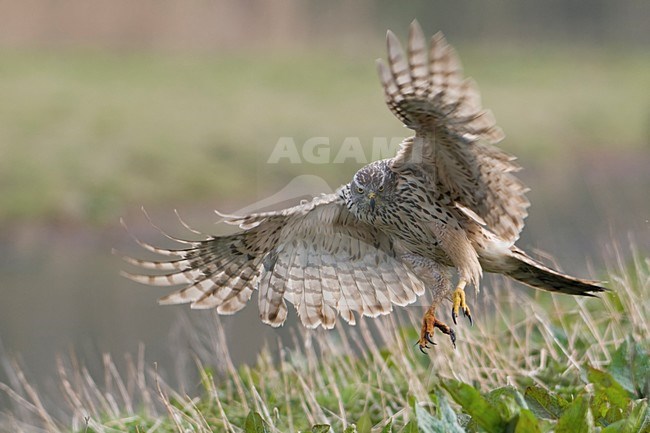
x,y
371,189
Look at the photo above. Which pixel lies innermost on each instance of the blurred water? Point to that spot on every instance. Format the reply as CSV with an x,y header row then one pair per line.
x,y
61,291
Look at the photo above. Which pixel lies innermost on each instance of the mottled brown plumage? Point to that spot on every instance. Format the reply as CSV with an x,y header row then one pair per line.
x,y
449,199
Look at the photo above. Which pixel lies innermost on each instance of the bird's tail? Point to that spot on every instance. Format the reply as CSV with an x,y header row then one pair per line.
x,y
532,273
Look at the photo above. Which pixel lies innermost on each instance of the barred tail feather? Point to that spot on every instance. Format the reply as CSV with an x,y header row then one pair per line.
x,y
534,274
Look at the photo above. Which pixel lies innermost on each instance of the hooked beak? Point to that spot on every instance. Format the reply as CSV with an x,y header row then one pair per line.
x,y
372,196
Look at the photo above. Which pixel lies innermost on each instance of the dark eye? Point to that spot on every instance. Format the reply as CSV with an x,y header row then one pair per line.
x,y
381,188
360,190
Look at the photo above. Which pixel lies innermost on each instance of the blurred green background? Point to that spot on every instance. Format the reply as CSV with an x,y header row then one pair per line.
x,y
106,106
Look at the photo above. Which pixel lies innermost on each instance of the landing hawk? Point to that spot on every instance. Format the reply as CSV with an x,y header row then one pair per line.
x,y
448,200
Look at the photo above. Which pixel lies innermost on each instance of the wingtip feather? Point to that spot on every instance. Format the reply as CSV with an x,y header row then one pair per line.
x,y
415,33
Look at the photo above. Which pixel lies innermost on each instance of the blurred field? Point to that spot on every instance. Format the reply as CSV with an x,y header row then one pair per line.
x,y
85,135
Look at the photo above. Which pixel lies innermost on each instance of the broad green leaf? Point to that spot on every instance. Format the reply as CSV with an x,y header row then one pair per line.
x,y
616,427
426,422
605,380
412,401
527,423
610,400
543,403
447,414
620,367
254,423
509,391
364,425
637,421
507,400
641,369
411,427
576,418
472,402
320,428
429,424
630,367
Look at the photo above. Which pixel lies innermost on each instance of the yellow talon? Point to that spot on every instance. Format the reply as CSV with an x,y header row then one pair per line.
x,y
459,303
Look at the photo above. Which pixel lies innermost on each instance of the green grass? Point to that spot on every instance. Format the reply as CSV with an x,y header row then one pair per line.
x,y
569,365
83,135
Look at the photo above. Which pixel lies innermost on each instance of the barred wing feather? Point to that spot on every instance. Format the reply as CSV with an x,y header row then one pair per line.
x,y
316,256
454,136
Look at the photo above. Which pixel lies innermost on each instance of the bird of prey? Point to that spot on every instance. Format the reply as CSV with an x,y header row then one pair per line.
x,y
448,200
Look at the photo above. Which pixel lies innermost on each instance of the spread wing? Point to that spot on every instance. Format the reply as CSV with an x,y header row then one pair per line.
x,y
316,255
454,137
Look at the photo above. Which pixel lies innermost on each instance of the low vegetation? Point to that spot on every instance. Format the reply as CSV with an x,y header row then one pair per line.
x,y
534,362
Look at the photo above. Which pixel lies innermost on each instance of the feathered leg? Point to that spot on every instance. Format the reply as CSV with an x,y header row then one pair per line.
x,y
438,281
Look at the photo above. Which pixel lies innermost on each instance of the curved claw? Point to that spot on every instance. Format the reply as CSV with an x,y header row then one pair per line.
x,y
453,315
429,323
423,345
467,314
452,336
